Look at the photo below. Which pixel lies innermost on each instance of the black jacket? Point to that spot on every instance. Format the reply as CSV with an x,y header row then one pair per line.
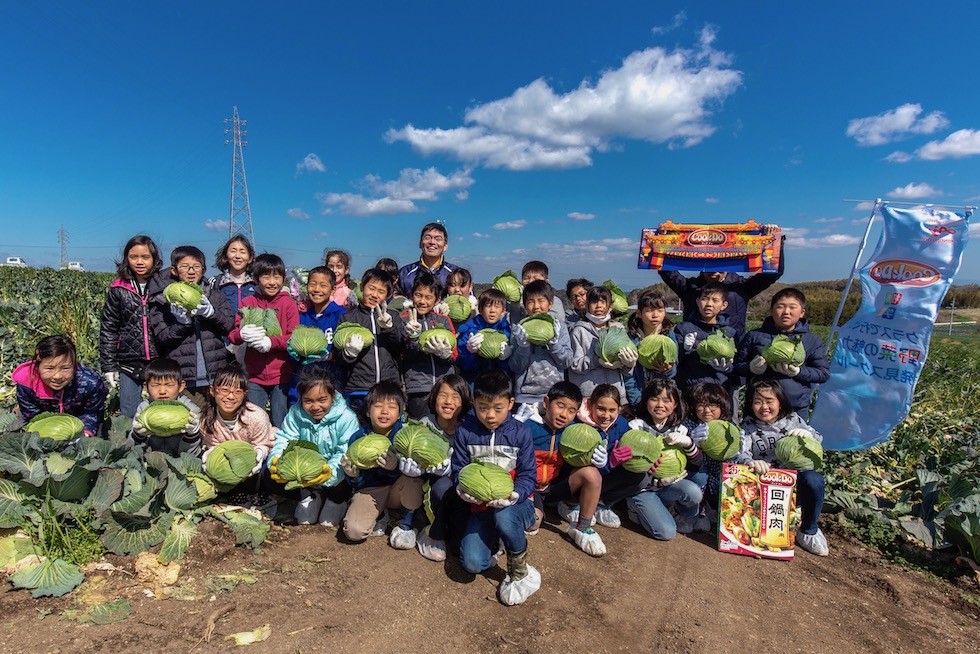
x,y
377,362
125,336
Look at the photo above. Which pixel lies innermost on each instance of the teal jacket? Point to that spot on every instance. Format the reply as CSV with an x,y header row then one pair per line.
x,y
331,435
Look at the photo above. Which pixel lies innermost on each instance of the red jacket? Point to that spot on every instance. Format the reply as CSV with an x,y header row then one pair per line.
x,y
274,366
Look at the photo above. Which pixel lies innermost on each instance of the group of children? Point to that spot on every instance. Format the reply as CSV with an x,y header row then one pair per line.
x,y
510,408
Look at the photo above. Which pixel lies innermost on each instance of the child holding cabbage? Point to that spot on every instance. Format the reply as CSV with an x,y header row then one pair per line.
x,y
705,341
430,344
318,312
483,342
589,368
163,384
650,321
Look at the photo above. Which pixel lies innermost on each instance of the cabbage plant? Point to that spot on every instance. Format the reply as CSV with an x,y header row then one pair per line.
x,y
56,426
540,328
485,481
419,442
508,284
656,350
364,452
183,294
164,417
611,341
300,463
716,346
307,340
799,453
723,441
577,443
347,329
646,449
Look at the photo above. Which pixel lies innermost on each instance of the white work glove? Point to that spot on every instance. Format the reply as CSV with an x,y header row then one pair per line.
x,y
721,364
558,328
193,423
505,350
599,455
328,332
758,365
180,314
439,346
205,454
799,432
690,340
354,346
700,432
252,333
504,503
787,369
388,460
466,497
628,356
349,468
615,365
409,467
382,317
759,467
258,466
441,307
670,481
139,431
262,345
441,469
473,345
204,308
679,438
474,303
111,379
413,327
520,336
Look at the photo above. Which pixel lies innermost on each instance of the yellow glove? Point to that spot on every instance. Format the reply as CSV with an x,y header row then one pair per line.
x,y
324,475
274,471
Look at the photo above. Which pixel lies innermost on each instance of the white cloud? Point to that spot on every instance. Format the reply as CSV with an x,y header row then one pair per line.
x,y
398,195
864,206
462,196
578,215
974,229
962,143
479,235
217,225
829,220
317,236
656,95
899,157
510,224
677,21
799,237
310,164
913,191
712,200
895,125
297,213
587,250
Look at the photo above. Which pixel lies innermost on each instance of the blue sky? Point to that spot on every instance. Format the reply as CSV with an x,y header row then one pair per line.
x,y
545,130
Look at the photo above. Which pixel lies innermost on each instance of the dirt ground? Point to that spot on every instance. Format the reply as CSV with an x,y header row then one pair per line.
x,y
319,594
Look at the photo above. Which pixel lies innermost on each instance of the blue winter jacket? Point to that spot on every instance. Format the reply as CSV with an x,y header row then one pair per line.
x,y
233,291
469,363
331,435
641,376
510,446
327,321
690,370
374,477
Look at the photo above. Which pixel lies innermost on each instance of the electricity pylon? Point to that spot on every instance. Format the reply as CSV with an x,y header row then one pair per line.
x,y
240,215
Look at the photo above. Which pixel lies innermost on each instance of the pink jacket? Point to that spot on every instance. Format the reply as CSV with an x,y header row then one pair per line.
x,y
274,366
253,428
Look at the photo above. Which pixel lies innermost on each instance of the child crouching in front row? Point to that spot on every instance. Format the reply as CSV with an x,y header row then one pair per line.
x,y
162,381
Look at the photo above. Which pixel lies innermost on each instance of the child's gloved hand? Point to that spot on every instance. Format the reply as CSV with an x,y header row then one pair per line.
x,y
441,469
328,333
382,317
721,364
252,333
628,356
690,340
204,308
140,433
670,481
325,474
474,303
193,423
599,455
388,460
466,497
413,327
349,468
473,345
520,336
441,307
620,455
354,346
787,369
505,350
259,461
758,365
759,467
615,365
504,503
180,314
111,379
656,464
700,432
679,438
262,345
274,470
440,347
800,433
558,328
409,467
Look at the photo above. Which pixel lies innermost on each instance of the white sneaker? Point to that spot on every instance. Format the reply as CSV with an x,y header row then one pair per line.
x,y
513,593
813,543
684,524
402,539
380,525
588,541
568,512
606,517
332,513
430,548
308,508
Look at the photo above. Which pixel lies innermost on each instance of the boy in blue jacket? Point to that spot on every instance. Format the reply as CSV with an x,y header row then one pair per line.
x,y
494,436
491,314
710,317
787,316
318,311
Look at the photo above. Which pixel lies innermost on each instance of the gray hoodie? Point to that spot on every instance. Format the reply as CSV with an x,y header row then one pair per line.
x,y
586,371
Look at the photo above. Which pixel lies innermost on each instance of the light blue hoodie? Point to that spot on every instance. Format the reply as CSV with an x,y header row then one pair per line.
x,y
331,435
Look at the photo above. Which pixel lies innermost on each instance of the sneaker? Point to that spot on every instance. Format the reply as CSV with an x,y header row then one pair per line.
x,y
813,543
532,532
308,507
401,538
606,517
430,548
588,541
684,524
568,512
332,513
381,525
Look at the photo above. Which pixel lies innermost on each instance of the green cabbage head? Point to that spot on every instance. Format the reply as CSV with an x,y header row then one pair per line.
x,y
646,449
440,331
540,328
417,441
716,346
230,463
657,349
183,294
56,426
508,284
785,349
265,318
459,308
307,340
492,340
672,463
347,329
206,490
300,463
577,443
799,453
611,341
485,481
364,452
620,304
723,442
164,417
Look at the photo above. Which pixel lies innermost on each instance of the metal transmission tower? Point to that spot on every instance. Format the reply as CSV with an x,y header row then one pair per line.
x,y
240,216
63,242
